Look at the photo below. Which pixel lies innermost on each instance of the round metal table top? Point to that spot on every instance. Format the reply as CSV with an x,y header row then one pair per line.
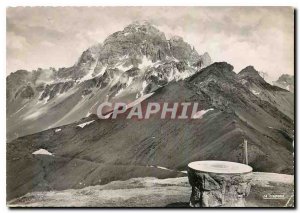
x,y
220,167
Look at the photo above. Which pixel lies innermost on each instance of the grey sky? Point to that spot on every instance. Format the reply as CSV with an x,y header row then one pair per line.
x,y
49,36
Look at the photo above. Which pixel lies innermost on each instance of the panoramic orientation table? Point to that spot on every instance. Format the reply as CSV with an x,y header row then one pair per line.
x,y
219,183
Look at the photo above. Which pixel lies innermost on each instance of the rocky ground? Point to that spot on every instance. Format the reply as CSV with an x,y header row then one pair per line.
x,y
268,190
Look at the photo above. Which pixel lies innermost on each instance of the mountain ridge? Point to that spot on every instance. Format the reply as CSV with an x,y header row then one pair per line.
x,y
139,146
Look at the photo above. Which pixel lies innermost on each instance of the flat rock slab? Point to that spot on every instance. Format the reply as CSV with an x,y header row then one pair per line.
x,y
220,167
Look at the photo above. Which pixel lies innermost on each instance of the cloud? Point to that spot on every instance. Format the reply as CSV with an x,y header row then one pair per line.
x,y
16,42
56,36
47,44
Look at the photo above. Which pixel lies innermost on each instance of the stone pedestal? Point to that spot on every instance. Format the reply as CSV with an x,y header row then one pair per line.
x,y
219,183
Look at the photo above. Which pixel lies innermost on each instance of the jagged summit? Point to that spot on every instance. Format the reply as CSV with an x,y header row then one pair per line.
x,y
249,69
286,78
217,70
135,31
251,79
143,26
250,72
224,66
250,76
286,81
132,47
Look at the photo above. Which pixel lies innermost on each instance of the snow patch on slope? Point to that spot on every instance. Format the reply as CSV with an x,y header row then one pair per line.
x,y
199,114
42,152
255,92
86,123
20,109
145,63
164,168
33,115
119,92
139,100
244,81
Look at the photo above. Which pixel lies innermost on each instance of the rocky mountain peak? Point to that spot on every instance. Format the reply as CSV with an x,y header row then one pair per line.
x,y
250,72
87,56
205,59
144,26
252,79
286,81
127,65
249,69
218,71
220,66
286,78
137,44
176,38
136,32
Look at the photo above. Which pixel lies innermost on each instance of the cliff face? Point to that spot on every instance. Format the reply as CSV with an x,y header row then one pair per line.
x,y
277,96
127,65
286,82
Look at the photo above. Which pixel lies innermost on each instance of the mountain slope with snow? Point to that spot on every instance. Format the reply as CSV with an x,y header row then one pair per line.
x,y
128,64
118,149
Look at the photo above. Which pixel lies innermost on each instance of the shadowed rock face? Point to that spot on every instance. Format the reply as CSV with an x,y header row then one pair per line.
x,y
251,75
128,64
25,92
286,81
281,98
204,60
